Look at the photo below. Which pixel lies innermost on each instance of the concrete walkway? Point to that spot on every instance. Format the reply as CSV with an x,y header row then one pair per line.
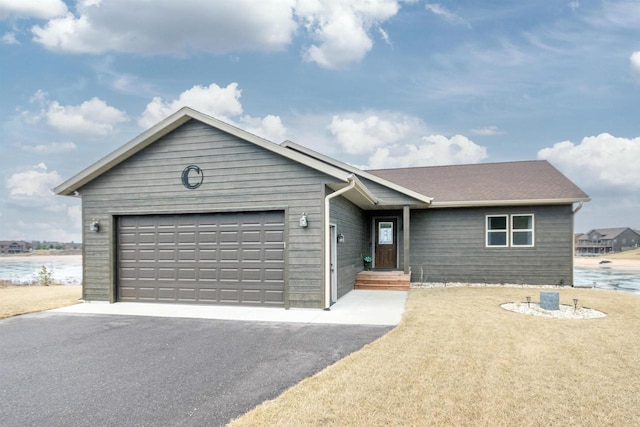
x,y
356,308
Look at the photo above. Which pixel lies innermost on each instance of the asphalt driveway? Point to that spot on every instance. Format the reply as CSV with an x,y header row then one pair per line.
x,y
61,369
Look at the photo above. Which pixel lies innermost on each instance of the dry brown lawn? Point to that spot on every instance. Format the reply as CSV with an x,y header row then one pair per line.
x,y
458,359
15,300
633,254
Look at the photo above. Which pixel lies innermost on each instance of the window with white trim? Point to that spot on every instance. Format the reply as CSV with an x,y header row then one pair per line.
x,y
516,230
522,230
497,230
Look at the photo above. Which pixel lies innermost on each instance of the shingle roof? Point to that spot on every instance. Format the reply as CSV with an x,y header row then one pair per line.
x,y
610,233
534,181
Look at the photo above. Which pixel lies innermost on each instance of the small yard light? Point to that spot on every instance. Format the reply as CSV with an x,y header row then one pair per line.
x,y
575,304
528,301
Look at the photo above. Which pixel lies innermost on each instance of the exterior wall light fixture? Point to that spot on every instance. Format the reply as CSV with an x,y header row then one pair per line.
x,y
340,238
94,226
303,220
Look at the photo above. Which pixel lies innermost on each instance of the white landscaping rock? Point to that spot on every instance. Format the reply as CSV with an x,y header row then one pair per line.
x,y
565,311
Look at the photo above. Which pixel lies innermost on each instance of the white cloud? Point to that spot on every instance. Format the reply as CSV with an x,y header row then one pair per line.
x,y
363,134
487,131
435,150
92,117
598,161
574,5
54,147
9,38
269,127
166,26
216,101
446,14
222,103
341,28
33,183
43,9
634,59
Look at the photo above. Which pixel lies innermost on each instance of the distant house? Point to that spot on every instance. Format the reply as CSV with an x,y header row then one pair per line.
x,y
607,240
195,210
15,247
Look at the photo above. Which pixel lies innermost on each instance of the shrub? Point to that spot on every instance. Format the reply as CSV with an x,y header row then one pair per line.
x,y
45,276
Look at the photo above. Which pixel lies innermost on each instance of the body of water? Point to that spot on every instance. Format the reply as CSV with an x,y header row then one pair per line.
x,y
608,278
67,271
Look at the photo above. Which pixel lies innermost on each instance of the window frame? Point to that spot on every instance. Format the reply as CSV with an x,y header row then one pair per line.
x,y
510,230
488,231
531,230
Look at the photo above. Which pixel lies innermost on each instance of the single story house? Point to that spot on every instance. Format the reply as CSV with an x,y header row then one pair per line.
x,y
195,210
607,240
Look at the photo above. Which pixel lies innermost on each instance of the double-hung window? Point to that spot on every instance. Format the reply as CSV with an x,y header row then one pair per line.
x,y
497,232
522,230
515,230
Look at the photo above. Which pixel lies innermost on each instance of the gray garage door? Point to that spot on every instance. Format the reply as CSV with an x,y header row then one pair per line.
x,y
226,258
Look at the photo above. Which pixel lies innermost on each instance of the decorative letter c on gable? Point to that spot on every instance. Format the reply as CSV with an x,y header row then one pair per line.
x,y
192,180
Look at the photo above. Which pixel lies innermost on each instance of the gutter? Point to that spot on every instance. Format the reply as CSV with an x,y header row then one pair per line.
x,y
521,202
327,241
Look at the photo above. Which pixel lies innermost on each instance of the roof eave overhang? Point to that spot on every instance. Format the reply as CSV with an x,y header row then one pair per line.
x,y
314,154
520,202
360,195
171,123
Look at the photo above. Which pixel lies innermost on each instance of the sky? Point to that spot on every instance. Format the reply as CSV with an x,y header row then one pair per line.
x,y
375,83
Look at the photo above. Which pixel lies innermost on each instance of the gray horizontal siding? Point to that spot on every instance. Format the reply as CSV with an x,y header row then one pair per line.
x,y
238,176
351,222
388,196
448,245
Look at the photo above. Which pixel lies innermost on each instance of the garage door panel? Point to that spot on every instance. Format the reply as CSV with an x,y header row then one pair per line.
x,y
235,258
148,293
229,295
276,236
168,294
273,275
274,255
187,255
208,295
187,294
273,296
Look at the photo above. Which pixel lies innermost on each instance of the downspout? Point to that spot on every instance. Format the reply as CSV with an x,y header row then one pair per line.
x,y
573,230
327,241
573,238
577,208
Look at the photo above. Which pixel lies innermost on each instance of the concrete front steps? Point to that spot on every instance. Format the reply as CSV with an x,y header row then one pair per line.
x,y
383,280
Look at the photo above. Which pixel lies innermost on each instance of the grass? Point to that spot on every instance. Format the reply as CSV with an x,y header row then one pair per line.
x,y
458,359
16,300
631,254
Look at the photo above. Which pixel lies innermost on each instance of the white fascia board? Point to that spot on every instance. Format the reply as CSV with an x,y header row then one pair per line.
x,y
173,122
360,172
478,203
